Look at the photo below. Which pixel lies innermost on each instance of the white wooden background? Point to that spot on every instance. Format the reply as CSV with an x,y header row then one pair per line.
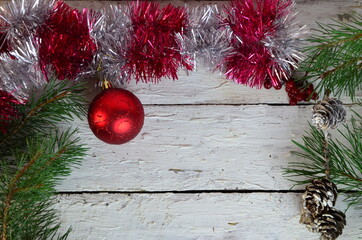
x,y
206,166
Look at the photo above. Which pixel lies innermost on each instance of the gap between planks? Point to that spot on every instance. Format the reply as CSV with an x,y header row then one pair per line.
x,y
179,192
303,104
186,192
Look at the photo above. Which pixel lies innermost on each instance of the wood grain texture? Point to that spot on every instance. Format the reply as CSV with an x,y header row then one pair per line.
x,y
202,132
211,216
196,147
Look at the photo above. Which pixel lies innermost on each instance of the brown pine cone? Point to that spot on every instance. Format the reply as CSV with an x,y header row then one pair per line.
x,y
330,224
307,218
328,113
318,195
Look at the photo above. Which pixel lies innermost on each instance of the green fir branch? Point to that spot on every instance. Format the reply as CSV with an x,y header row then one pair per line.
x,y
334,61
345,159
59,102
35,156
27,193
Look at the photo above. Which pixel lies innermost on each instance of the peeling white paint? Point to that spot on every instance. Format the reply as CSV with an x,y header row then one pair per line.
x,y
206,216
189,146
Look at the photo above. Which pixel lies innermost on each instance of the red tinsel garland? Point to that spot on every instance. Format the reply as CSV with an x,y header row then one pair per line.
x,y
251,21
8,110
4,46
154,52
65,42
259,41
4,43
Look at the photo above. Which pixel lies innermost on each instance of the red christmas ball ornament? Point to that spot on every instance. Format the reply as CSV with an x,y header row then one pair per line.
x,y
116,116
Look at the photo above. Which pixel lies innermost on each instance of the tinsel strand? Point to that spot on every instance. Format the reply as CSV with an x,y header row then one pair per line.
x,y
65,43
20,19
206,40
264,42
20,70
8,110
254,42
111,29
154,51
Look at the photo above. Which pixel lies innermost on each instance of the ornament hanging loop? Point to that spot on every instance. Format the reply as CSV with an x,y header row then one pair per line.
x,y
106,84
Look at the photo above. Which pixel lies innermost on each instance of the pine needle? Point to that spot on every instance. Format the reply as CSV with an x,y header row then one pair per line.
x,y
345,159
334,61
35,156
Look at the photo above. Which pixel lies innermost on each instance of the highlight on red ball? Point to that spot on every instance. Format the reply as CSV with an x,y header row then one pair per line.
x,y
116,116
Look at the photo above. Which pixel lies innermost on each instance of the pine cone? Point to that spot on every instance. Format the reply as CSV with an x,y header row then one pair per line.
x,y
330,224
307,218
328,113
319,195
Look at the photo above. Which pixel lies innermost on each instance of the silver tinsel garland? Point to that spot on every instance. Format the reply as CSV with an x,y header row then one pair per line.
x,y
285,44
20,71
23,17
111,31
206,40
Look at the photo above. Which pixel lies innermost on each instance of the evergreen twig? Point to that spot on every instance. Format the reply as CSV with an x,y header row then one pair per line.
x,y
334,61
40,156
345,159
58,103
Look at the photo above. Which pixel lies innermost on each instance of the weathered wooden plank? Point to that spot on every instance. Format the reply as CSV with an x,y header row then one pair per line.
x,y
196,147
207,216
208,88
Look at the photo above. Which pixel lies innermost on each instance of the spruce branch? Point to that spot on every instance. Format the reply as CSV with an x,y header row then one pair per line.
x,y
59,102
34,156
27,194
334,61
344,156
